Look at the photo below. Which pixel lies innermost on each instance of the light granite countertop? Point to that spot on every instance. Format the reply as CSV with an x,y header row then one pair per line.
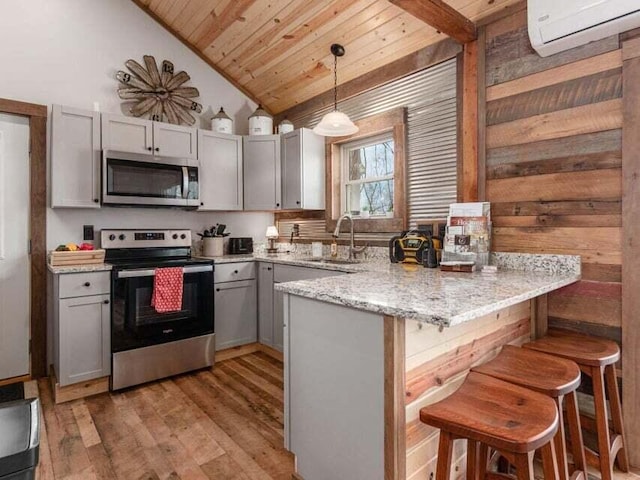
x,y
300,261
429,295
100,267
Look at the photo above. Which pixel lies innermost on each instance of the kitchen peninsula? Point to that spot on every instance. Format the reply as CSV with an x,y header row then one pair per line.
x,y
365,352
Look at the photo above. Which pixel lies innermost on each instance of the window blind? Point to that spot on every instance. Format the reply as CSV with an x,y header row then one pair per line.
x,y
430,99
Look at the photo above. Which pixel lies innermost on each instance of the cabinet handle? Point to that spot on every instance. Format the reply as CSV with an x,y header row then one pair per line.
x,y
157,149
87,284
149,148
96,200
106,302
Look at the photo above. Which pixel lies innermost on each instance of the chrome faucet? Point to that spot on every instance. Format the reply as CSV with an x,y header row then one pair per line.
x,y
352,248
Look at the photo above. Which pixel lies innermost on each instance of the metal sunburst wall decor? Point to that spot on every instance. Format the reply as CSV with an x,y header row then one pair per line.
x,y
159,94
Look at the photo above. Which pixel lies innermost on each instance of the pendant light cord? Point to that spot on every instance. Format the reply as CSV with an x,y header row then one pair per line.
x,y
335,83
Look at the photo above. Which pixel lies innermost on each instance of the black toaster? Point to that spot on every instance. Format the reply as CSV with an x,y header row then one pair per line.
x,y
240,245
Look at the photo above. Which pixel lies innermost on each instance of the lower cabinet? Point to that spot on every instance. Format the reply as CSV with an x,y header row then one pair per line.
x,y
236,313
82,327
270,301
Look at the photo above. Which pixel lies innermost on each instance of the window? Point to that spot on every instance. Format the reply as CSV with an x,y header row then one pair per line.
x,y
365,174
367,177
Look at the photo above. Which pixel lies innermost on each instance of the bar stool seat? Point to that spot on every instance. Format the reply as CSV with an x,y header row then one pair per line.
x,y
596,358
552,376
488,412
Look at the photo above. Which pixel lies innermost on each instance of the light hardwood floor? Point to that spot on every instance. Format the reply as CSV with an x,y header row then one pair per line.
x,y
225,423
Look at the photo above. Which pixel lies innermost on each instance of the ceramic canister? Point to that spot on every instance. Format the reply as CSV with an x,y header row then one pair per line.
x,y
260,122
222,123
285,126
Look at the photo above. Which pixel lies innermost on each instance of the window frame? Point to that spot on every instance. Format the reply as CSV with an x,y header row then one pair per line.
x,y
394,122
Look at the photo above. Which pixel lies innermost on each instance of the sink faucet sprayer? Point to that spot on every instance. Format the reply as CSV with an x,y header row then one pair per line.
x,y
352,248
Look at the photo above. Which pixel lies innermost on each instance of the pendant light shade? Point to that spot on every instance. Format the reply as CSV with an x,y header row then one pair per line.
x,y
336,123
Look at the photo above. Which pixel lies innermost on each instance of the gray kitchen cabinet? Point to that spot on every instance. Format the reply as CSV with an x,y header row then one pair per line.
x,y
270,301
129,134
236,309
75,158
220,157
303,170
81,326
265,303
262,172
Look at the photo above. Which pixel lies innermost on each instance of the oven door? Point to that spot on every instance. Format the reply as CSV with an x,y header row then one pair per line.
x,y
134,179
135,323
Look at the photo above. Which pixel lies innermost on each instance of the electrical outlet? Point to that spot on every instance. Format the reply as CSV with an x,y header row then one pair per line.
x,y
87,232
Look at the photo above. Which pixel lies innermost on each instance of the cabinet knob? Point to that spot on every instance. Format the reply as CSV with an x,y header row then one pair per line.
x,y
235,272
149,148
106,302
217,289
277,204
269,268
157,149
202,204
87,284
96,200
298,202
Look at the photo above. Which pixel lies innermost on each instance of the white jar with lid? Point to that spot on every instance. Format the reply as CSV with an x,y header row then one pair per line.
x,y
221,122
285,126
260,122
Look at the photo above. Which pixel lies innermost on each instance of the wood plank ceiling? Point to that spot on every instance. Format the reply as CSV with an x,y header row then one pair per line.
x,y
277,51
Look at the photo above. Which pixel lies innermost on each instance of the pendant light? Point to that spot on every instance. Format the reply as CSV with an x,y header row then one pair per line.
x,y
336,123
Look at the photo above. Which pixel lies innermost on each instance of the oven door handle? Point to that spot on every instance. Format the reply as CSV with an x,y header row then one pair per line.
x,y
151,272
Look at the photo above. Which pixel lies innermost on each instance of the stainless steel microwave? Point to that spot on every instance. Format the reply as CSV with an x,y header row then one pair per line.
x,y
135,179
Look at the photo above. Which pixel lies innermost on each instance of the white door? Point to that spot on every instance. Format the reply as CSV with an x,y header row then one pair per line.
x,y
14,238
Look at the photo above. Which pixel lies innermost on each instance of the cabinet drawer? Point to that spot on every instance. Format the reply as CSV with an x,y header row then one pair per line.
x,y
288,273
83,284
231,272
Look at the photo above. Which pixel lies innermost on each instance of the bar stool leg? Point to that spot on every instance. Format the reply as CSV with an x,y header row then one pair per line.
x,y
549,462
597,376
473,469
524,466
616,418
560,444
445,455
575,431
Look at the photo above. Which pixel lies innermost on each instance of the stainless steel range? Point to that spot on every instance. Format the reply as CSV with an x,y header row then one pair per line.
x,y
147,345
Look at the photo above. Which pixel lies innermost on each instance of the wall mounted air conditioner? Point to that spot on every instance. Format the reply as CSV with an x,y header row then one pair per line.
x,y
557,25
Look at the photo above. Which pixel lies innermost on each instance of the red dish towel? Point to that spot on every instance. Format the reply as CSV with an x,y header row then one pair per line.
x,y
167,289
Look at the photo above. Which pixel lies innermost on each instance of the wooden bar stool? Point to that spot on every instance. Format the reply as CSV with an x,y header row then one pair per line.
x,y
491,413
552,376
596,358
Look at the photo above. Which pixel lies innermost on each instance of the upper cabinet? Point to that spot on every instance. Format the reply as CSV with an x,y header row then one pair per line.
x,y
220,171
303,170
262,172
128,134
75,158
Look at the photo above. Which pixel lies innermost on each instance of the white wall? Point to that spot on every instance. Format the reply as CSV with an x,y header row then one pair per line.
x,y
68,52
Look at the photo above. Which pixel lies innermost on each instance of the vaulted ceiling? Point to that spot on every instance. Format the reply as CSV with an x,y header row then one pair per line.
x,y
277,51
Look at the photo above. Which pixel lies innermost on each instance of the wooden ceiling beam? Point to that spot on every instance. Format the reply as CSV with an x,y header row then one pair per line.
x,y
442,17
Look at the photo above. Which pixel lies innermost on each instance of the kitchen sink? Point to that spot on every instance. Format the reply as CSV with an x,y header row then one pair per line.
x,y
334,261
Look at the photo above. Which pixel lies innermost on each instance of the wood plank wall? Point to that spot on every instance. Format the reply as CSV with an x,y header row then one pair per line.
x,y
553,156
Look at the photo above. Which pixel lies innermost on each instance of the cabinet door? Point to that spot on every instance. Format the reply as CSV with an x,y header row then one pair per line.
x,y
236,320
278,320
85,341
220,157
175,141
127,134
262,182
75,158
292,170
313,170
265,303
